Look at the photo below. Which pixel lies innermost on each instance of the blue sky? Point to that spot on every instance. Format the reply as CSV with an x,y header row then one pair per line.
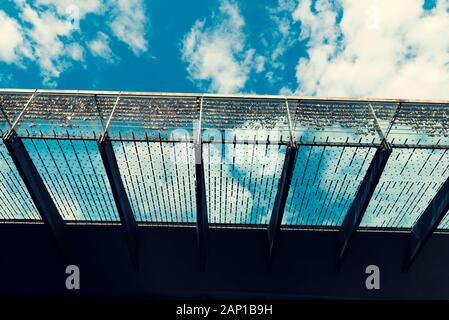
x,y
157,67
311,47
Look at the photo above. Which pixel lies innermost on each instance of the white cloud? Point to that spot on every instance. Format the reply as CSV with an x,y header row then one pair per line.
x,y
76,52
128,24
99,47
45,37
12,45
70,7
218,54
259,63
319,27
379,48
48,32
283,34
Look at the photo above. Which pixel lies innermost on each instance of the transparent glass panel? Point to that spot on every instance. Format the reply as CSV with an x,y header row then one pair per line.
x,y
409,182
159,178
74,175
65,115
10,107
241,181
325,181
340,122
15,201
154,117
245,119
423,124
444,224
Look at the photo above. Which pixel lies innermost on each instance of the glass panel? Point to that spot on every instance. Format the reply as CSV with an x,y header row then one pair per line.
x,y
424,124
74,175
384,113
409,182
159,178
325,181
154,117
10,107
65,115
340,122
241,181
444,224
245,120
15,201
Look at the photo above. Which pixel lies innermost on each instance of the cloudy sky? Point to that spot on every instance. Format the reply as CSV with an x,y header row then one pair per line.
x,y
369,48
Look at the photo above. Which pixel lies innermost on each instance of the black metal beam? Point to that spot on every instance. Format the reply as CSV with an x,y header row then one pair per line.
x,y
202,224
362,198
427,223
120,197
251,142
277,214
37,190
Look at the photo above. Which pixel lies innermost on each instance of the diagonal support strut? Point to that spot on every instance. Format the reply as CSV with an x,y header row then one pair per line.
x,y
362,198
280,201
427,223
120,197
37,190
201,206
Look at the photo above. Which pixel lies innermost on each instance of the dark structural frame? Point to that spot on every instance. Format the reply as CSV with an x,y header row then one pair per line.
x,y
35,186
118,190
419,235
202,224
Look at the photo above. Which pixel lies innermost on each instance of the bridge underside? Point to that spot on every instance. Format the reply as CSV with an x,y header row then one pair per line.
x,y
305,264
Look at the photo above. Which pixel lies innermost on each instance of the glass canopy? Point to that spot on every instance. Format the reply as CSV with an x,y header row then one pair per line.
x,y
15,202
243,139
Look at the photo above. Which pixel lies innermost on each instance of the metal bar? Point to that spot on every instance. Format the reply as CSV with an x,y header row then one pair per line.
x,y
108,123
280,201
37,190
120,197
222,226
14,125
198,138
427,223
282,143
202,224
289,119
393,120
362,198
379,131
213,95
